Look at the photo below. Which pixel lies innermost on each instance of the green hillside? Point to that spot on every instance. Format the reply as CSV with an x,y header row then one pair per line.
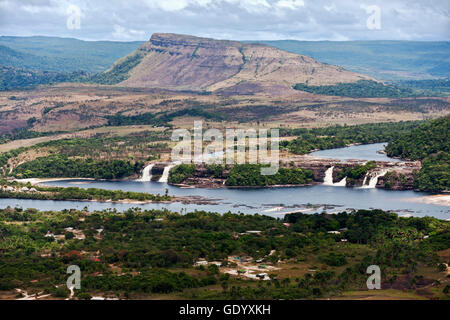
x,y
437,86
120,70
17,59
62,54
431,144
360,89
13,78
384,60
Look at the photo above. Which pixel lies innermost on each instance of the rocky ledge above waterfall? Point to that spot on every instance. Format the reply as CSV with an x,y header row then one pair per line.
x,y
388,175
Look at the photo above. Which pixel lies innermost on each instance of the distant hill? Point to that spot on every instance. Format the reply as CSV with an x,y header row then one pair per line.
x,y
17,59
435,87
13,78
62,54
384,60
183,62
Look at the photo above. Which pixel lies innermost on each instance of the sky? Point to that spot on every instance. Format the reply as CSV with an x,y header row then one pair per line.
x,y
126,20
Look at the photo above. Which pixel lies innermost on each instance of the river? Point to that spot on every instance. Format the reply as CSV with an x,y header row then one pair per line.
x,y
359,152
269,201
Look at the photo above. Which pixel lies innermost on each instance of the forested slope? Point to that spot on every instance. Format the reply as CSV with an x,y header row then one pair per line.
x,y
429,143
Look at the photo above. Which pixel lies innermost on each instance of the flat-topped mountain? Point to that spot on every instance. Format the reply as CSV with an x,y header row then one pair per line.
x,y
183,62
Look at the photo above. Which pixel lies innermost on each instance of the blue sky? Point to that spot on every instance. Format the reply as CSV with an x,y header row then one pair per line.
x,y
229,19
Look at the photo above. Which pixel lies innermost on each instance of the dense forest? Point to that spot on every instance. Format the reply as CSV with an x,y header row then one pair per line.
x,y
435,173
429,143
354,173
435,86
250,175
19,77
22,191
24,66
431,137
63,55
13,78
181,172
359,89
60,166
245,175
340,136
144,254
161,118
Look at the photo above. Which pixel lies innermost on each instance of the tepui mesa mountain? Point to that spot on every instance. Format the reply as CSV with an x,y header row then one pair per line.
x,y
181,62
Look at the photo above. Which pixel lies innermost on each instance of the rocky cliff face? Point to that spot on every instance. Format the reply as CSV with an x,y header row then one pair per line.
x,y
398,180
398,176
189,63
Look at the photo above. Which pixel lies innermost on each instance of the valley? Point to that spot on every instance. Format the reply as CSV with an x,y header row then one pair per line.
x,y
87,175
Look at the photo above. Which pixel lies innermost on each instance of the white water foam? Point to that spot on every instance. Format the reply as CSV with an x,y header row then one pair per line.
x,y
374,179
165,176
328,180
365,179
342,183
146,174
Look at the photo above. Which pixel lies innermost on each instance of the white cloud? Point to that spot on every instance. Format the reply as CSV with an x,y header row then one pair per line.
x,y
290,4
331,7
254,6
203,3
176,5
173,5
233,19
167,5
122,33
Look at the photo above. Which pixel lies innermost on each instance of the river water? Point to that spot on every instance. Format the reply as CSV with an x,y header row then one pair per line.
x,y
269,201
361,152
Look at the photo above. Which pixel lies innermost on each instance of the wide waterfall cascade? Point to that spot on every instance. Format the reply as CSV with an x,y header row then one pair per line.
x,y
165,176
328,180
147,174
374,179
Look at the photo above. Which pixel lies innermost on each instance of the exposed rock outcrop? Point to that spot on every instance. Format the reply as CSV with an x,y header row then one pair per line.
x,y
157,171
388,175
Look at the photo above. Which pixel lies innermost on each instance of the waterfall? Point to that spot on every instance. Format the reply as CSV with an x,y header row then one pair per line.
x,y
328,180
146,174
374,180
165,176
342,183
365,179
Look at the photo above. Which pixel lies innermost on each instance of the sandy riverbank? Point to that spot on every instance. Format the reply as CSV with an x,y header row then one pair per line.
x,y
35,181
438,199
